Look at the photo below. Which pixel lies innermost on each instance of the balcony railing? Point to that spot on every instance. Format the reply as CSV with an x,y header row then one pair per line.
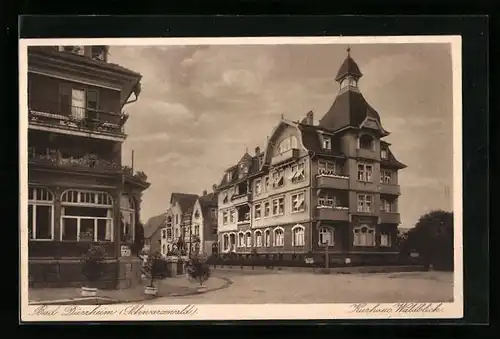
x,y
88,162
390,189
285,156
332,213
332,180
367,154
390,217
78,118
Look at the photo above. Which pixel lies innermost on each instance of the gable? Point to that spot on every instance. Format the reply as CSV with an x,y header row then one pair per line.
x,y
285,130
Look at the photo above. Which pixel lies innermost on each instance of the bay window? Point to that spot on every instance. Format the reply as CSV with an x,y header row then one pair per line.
x,y
40,214
86,216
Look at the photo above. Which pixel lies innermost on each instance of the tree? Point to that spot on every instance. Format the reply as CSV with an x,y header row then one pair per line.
x,y
432,238
198,269
139,238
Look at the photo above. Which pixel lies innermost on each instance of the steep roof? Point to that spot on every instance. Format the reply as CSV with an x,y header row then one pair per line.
x,y
185,200
349,109
391,161
207,202
349,67
253,163
311,141
153,224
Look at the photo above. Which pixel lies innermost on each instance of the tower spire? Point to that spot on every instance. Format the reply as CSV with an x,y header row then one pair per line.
x,y
348,50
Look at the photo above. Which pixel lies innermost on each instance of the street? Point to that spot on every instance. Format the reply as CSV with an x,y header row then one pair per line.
x,y
248,288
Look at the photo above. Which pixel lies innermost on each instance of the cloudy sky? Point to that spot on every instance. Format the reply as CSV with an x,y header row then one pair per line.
x,y
202,106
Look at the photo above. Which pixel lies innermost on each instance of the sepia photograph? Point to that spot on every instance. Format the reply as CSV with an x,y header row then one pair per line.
x,y
249,178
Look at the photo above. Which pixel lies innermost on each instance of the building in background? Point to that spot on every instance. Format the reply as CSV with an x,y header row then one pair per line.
x,y
179,220
320,188
155,234
204,224
78,191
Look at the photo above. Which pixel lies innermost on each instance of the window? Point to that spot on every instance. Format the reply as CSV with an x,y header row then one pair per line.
x,y
92,100
78,103
197,230
225,242
279,237
169,234
267,209
364,236
213,213
383,153
177,219
278,178
327,200
225,199
241,239
127,210
365,172
298,202
232,216
298,235
385,239
279,206
225,217
287,144
229,176
163,234
87,216
169,221
327,168
164,249
232,241
366,142
196,214
257,211
258,238
266,184
258,187
40,214
176,231
385,177
327,143
385,205
248,236
297,174
267,238
365,203
326,236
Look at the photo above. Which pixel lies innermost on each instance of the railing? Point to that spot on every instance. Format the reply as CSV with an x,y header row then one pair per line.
x,y
81,118
332,213
285,156
328,179
89,161
390,189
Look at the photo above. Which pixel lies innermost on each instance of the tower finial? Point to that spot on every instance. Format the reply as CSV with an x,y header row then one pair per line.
x,y
348,50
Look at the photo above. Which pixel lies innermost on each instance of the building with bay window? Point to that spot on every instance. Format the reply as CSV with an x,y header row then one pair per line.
x,y
320,187
78,191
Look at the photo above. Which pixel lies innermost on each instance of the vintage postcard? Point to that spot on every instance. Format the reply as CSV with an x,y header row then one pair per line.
x,y
241,178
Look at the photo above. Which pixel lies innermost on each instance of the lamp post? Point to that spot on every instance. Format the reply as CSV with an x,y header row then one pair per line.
x,y
327,257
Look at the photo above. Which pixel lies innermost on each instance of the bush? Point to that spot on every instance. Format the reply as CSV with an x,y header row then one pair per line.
x,y
155,268
198,269
93,263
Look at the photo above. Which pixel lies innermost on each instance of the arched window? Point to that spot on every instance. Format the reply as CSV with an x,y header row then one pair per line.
x,y
366,142
86,216
267,238
232,241
164,249
287,144
326,236
279,237
364,235
248,236
226,245
258,238
40,213
127,212
298,235
241,239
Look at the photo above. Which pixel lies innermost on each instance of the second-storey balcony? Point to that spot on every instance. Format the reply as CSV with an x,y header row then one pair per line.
x,y
75,120
390,189
332,213
292,153
390,217
332,180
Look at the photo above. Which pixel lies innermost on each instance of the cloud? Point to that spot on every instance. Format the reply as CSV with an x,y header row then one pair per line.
x,y
162,136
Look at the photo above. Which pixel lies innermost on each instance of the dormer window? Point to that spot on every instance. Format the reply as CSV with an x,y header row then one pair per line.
x,y
80,50
366,142
229,176
383,153
287,144
327,143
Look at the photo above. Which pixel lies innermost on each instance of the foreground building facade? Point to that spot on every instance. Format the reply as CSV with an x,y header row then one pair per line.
x,y
78,191
315,189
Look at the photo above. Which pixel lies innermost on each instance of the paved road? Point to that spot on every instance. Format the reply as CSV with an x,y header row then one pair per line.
x,y
286,287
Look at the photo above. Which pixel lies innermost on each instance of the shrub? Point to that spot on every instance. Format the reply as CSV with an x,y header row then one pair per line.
x,y
155,268
93,263
198,269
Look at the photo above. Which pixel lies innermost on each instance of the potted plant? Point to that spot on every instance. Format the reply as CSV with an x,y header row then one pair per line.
x,y
154,269
92,269
198,270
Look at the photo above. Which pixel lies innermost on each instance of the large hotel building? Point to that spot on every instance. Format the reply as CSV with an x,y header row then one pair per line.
x,y
331,187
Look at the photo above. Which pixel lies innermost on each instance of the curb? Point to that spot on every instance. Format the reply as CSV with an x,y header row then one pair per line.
x,y
102,300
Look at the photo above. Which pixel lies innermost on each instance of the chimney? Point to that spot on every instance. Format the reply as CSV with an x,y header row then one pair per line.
x,y
310,118
257,151
214,187
204,192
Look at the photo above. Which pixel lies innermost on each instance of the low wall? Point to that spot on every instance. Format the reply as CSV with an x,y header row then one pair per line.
x,y
345,270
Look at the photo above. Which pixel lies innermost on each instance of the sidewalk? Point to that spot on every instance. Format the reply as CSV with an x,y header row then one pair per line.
x,y
170,287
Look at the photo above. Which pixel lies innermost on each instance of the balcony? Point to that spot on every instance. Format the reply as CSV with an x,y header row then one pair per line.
x,y
332,213
332,180
390,189
285,156
367,154
78,120
87,163
389,217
